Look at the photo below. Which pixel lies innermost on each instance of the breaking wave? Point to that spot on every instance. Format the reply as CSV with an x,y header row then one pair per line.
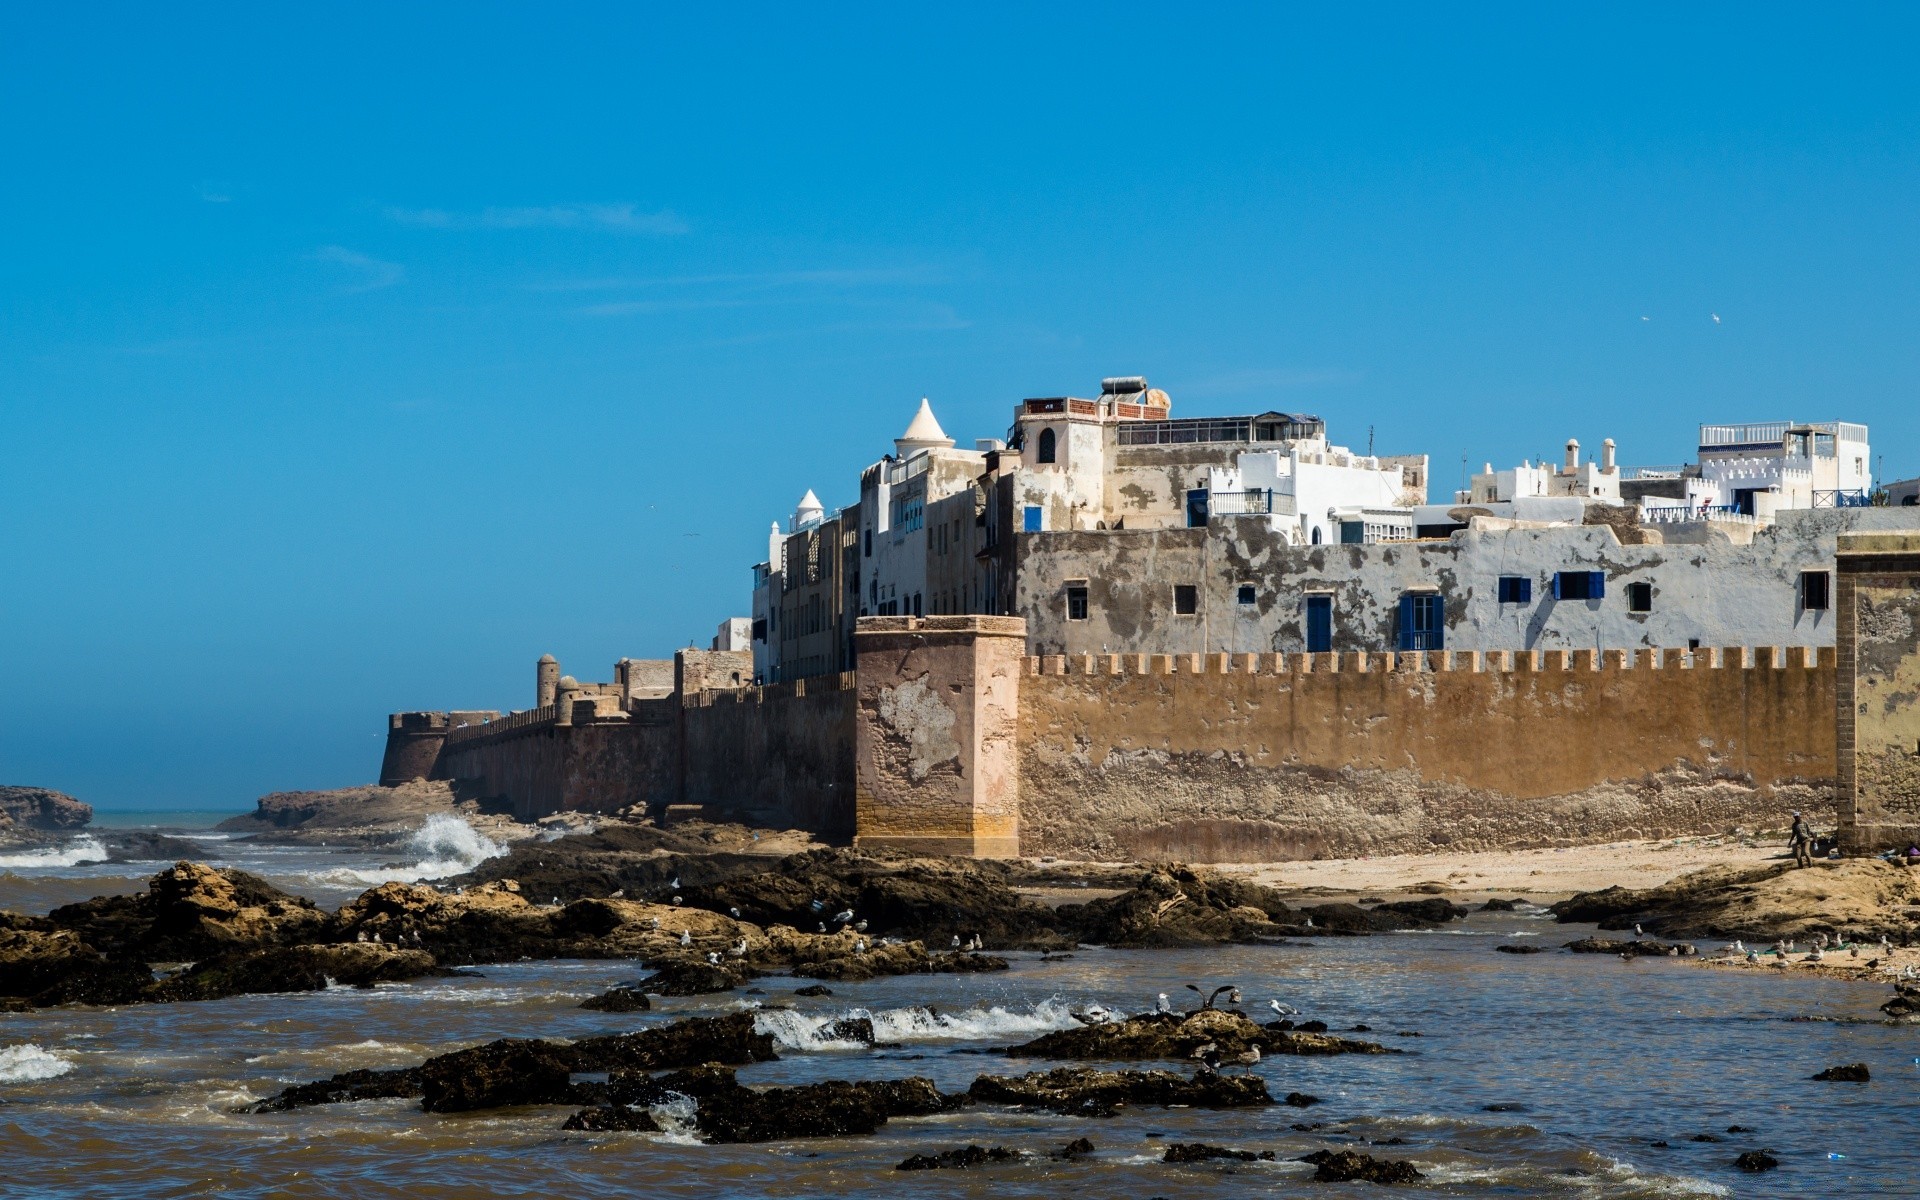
x,y
83,849
446,845
27,1062
892,1026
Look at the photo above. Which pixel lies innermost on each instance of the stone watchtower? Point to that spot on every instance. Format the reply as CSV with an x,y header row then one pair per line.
x,y
1878,634
936,768
546,681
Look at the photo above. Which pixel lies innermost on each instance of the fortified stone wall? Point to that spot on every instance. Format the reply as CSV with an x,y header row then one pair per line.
x,y
780,755
545,768
1259,757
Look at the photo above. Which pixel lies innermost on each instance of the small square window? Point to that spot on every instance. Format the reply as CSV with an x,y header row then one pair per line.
x,y
1640,597
1246,593
1076,602
1579,585
1186,599
1516,589
1816,594
1033,519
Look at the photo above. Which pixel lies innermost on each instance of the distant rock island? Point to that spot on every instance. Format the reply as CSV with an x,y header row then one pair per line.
x,y
29,814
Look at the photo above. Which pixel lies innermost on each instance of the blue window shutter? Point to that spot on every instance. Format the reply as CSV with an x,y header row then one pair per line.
x,y
1526,591
1556,585
1596,585
1407,601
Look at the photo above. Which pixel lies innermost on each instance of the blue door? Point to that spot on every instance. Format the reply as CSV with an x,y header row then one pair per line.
x,y
1319,624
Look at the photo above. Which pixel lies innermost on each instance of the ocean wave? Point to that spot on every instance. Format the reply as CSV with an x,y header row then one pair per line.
x,y
26,1062
799,1031
446,845
83,849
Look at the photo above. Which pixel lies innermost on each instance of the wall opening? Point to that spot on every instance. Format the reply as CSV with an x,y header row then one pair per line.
x,y
1044,449
1076,602
1319,624
1186,599
1816,591
1640,597
1516,589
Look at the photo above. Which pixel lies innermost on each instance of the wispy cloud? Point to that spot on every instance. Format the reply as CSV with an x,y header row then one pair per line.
x,y
370,274
613,218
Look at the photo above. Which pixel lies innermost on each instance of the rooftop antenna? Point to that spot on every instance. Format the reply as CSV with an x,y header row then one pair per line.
x,y
1370,442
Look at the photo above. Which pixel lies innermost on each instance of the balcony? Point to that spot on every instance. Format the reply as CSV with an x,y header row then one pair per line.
x,y
1253,502
1854,498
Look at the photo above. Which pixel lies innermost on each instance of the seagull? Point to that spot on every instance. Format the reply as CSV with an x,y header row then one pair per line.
x,y
976,943
376,937
619,895
956,941
734,913
654,922
818,905
823,927
860,947
1739,946
843,916
713,958
686,939
678,900
1646,318
1716,317
1309,922
675,885
1218,992
860,926
1284,1010
556,902
1753,956
1166,1005
363,935
738,949
1637,931
1248,1058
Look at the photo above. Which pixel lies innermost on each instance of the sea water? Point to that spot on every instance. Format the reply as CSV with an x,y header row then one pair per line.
x,y
1532,1075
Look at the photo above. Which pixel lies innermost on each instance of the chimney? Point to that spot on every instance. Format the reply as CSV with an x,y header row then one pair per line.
x,y
1606,457
1573,455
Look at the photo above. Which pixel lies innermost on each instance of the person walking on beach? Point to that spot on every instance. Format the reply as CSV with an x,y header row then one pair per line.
x,y
1800,841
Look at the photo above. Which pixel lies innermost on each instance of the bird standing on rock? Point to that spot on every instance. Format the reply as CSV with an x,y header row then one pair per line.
x,y
686,939
739,949
653,922
860,926
843,916
1248,1058
1164,1005
678,900
675,885
955,944
1283,1010
713,958
734,913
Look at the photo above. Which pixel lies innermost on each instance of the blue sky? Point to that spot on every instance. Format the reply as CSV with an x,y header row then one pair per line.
x,y
350,359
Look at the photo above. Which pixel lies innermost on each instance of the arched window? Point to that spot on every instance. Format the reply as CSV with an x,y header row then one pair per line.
x,y
1045,452
1316,535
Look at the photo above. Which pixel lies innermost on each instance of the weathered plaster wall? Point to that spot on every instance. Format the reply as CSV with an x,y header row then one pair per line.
x,y
1255,757
936,767
1878,602
780,756
1711,592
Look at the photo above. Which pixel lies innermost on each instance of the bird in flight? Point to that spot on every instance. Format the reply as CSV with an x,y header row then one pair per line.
x,y
1716,318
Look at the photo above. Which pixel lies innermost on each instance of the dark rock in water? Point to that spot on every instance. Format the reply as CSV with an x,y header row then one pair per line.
x,y
191,911
1178,1035
520,1071
1495,904
965,1156
618,1000
813,989
1756,1160
1391,1141
1637,948
1661,1144
1186,1152
1361,1029
1518,948
1850,1073
351,1085
1503,1107
1346,1166
831,1109
1435,911
294,969
849,1029
50,966
637,1090
498,1074
1081,1091
611,1118
1705,1137
1077,1148
131,846
685,978
1311,1027
1299,1100
1740,1129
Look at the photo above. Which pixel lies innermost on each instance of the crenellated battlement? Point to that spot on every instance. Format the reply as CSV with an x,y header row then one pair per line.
x,y
1518,662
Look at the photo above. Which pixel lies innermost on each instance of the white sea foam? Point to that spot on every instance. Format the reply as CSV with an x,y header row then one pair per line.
x,y
83,849
27,1062
675,1118
891,1026
446,845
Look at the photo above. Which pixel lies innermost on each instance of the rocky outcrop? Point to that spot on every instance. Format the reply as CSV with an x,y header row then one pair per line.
x,y
1181,1035
1084,1092
613,1118
1861,897
1756,1160
831,1109
1905,1005
618,1000
192,911
46,966
369,815
1637,948
28,813
964,1157
345,1087
692,979
1347,1166
1176,906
